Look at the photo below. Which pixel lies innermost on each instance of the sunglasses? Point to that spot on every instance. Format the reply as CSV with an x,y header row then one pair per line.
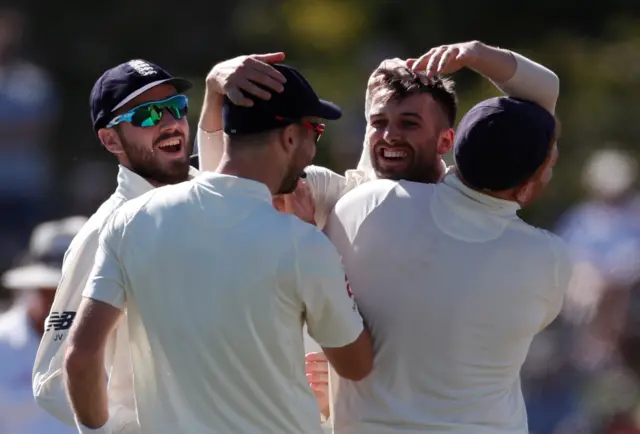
x,y
316,127
150,113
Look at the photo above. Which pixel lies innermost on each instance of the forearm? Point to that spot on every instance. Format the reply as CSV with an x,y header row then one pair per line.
x,y
496,64
518,76
211,114
87,388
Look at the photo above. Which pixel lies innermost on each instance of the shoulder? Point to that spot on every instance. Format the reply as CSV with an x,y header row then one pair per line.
x,y
148,203
371,193
544,249
90,232
297,237
317,172
322,179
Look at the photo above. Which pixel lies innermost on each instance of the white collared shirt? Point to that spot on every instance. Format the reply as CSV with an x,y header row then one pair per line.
x,y
453,286
531,81
217,285
48,382
19,414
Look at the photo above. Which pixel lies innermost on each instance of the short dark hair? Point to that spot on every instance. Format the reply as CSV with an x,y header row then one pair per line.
x,y
402,82
250,140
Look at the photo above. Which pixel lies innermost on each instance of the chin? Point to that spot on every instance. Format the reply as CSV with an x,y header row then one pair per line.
x,y
392,175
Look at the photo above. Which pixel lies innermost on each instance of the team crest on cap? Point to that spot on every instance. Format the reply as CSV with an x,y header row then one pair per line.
x,y
142,67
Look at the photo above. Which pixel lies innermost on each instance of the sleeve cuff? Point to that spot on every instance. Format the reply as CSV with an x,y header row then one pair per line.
x,y
118,302
532,81
203,131
104,429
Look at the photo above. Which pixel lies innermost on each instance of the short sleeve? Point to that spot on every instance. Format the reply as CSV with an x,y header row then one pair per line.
x,y
106,282
332,316
326,187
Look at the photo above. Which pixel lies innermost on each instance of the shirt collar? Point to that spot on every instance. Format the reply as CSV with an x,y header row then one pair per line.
x,y
470,215
244,186
132,185
366,173
480,200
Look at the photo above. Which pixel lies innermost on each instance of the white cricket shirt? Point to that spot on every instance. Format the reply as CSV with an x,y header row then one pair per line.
x,y
218,285
48,382
453,286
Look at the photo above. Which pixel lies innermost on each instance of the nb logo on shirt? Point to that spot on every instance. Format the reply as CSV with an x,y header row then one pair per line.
x,y
60,320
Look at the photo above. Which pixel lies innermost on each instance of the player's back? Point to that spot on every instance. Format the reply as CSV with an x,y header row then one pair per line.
x,y
214,314
454,287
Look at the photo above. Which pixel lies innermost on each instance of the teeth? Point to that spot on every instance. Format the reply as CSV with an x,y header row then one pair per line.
x,y
169,143
394,154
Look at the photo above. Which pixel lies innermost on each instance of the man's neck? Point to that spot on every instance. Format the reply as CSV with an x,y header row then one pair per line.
x,y
504,195
254,168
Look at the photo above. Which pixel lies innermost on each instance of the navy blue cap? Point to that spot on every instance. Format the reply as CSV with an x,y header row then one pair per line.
x,y
501,142
297,100
122,83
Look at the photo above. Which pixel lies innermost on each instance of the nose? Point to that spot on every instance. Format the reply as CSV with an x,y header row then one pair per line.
x,y
168,122
391,134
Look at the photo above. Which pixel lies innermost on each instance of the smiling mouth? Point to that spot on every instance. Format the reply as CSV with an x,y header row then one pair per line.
x,y
392,154
171,146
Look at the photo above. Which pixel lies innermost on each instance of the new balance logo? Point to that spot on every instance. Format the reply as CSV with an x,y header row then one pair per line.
x,y
60,320
142,67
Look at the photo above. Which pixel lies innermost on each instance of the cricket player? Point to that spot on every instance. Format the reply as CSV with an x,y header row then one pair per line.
x,y
452,283
217,285
138,111
410,111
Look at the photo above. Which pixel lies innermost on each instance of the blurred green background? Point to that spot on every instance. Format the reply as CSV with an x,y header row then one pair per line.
x,y
583,373
593,47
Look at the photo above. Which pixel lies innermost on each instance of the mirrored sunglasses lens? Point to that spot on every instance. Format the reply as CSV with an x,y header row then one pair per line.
x,y
147,116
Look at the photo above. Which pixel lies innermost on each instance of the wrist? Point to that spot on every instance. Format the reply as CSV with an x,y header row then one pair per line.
x,y
212,87
478,50
213,94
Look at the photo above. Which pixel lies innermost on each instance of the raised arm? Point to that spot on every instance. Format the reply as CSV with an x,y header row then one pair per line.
x,y
235,78
514,74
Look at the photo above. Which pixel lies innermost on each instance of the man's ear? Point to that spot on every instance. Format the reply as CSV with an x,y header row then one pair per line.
x,y
110,140
523,193
445,142
288,138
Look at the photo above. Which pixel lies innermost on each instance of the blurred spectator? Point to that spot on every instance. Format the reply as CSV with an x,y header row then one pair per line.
x,y
23,325
604,239
27,111
588,388
86,197
551,385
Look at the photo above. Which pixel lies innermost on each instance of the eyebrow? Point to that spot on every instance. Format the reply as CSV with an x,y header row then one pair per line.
x,y
410,114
